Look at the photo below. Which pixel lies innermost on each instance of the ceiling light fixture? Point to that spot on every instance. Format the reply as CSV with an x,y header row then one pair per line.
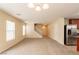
x,y
45,6
31,5
18,14
38,7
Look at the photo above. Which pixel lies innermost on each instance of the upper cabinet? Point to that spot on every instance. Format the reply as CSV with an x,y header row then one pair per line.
x,y
74,21
70,21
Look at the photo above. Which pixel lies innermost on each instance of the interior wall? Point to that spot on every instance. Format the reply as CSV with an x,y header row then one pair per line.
x,y
18,31
29,29
56,30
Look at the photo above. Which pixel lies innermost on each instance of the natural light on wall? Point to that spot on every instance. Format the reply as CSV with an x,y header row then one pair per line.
x,y
24,29
10,30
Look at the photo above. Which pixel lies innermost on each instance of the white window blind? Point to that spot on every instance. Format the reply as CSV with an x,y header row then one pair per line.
x,y
24,30
10,30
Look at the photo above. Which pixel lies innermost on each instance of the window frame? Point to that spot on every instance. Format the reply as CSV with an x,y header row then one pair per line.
x,y
10,30
24,29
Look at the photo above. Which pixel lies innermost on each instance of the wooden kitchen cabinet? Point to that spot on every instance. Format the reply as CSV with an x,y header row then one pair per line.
x,y
70,21
77,44
78,24
74,21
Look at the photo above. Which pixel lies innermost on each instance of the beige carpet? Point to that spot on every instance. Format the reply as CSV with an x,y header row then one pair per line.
x,y
43,46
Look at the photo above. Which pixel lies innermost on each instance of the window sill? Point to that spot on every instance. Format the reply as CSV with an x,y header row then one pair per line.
x,y
11,41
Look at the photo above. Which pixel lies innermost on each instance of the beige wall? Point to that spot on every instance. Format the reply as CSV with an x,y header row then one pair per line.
x,y
56,30
18,35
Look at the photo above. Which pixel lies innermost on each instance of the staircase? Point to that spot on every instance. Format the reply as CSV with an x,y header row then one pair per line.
x,y
41,29
36,30
36,35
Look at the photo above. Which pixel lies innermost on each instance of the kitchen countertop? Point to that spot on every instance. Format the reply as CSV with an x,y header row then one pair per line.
x,y
76,36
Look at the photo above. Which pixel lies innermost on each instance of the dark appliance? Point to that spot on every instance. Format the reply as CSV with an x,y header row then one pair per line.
x,y
69,32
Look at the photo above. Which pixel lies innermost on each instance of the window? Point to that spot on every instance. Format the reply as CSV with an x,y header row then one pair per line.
x,y
10,30
23,29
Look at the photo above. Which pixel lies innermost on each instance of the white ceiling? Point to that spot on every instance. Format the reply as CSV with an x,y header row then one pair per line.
x,y
56,10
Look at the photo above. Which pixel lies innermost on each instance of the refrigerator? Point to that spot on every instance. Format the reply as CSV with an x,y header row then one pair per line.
x,y
70,31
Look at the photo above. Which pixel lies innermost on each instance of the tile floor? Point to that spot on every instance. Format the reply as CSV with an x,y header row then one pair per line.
x,y
44,46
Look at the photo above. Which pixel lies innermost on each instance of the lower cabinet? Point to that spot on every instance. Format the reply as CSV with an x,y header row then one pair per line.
x,y
77,44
